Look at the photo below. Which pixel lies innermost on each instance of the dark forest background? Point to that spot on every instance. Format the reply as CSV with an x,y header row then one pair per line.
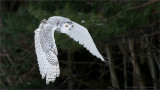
x,y
126,32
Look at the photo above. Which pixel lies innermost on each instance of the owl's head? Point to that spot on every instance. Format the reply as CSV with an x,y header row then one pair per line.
x,y
66,27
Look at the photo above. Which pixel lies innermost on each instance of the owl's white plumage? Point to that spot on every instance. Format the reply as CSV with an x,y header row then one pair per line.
x,y
47,59
46,49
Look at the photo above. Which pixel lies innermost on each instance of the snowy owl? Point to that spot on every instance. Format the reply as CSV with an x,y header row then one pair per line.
x,y
46,49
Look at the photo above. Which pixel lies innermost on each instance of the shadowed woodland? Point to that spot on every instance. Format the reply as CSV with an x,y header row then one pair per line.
x,y
125,32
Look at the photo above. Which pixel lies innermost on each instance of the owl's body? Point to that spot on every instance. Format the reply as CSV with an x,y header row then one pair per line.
x,y
57,20
46,49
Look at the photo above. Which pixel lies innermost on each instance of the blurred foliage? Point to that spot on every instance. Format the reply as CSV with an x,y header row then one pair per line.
x,y
104,20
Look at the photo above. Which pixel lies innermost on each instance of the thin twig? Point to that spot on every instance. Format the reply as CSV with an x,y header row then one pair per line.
x,y
144,4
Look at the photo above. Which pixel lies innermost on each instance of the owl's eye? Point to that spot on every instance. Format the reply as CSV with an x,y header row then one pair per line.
x,y
66,25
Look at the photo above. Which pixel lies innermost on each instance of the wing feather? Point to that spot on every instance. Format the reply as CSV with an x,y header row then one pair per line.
x,y
46,52
81,35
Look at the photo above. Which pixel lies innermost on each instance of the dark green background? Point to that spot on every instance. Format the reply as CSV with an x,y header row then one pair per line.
x,y
125,32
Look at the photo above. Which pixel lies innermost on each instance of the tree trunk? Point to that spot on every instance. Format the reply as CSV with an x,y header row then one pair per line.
x,y
137,75
70,82
125,55
114,79
125,70
152,67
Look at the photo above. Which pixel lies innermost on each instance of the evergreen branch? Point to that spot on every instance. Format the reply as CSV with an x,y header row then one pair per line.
x,y
148,30
144,4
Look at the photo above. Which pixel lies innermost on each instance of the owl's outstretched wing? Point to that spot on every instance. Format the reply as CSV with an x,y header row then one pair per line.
x,y
81,35
46,52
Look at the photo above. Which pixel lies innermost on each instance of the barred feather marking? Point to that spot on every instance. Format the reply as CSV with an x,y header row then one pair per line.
x,y
46,52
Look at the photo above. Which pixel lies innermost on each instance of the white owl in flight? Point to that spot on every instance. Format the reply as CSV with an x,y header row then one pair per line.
x,y
46,49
